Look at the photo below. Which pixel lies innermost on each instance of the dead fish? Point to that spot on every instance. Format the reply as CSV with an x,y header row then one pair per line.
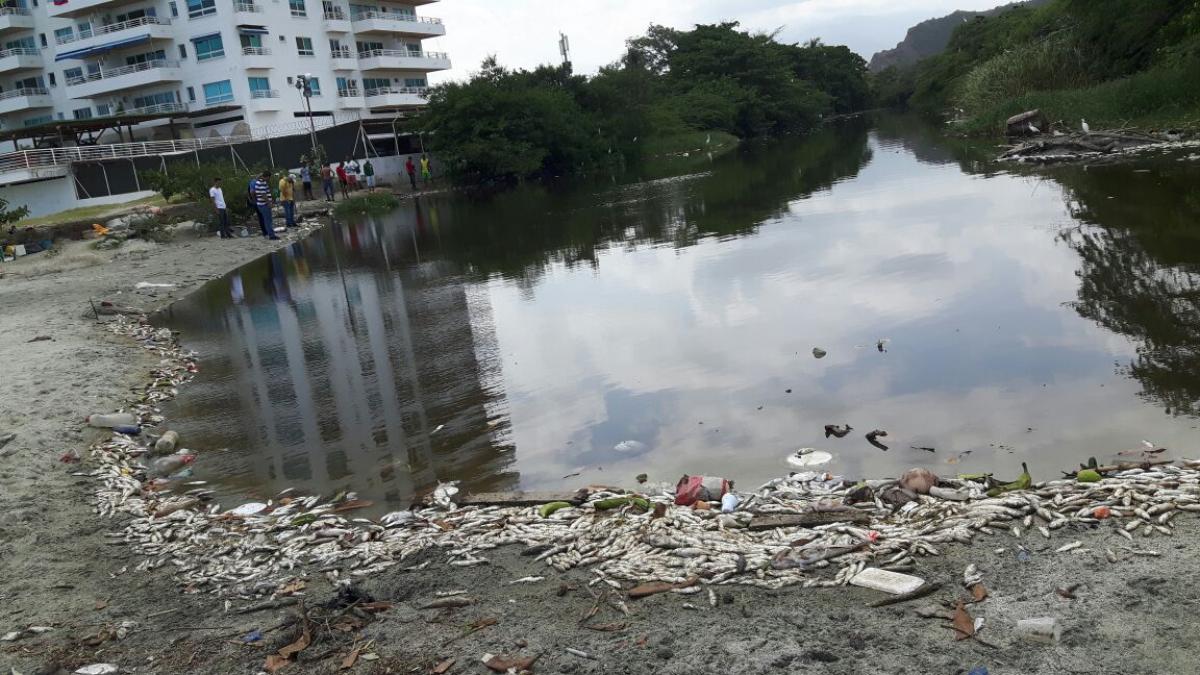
x,y
1068,547
873,435
837,431
448,603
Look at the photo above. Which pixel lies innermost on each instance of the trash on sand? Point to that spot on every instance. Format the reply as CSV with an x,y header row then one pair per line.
x,y
1023,554
964,624
642,478
819,353
580,653
165,466
888,582
809,457
128,429
253,636
1101,512
729,503
1044,629
872,437
629,446
166,443
504,664
837,431
548,509
979,670
1023,482
97,669
145,284
689,489
448,603
618,502
442,667
918,480
111,420
925,589
248,509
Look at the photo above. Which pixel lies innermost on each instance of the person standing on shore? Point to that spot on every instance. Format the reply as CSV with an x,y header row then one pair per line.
x,y
369,173
262,202
287,197
327,181
252,202
218,199
343,179
411,170
426,169
352,173
306,181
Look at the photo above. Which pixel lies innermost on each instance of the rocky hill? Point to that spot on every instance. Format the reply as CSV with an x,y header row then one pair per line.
x,y
930,37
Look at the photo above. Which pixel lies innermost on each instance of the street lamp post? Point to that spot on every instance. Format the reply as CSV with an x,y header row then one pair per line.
x,y
304,84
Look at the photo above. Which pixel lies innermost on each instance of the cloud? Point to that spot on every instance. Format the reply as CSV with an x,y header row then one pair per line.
x,y
524,33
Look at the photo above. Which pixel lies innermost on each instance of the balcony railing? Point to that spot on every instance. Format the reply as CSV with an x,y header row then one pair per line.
x,y
349,92
28,91
403,53
219,99
384,91
393,16
341,53
246,7
264,93
156,109
9,11
19,51
112,28
255,51
123,70
334,14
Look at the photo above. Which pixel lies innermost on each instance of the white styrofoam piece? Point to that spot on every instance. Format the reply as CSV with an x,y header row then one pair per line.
x,y
888,582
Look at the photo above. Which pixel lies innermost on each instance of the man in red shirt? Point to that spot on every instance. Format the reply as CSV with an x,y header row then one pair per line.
x,y
411,169
343,180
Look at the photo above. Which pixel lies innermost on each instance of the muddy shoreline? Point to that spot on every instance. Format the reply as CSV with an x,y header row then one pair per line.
x,y
58,569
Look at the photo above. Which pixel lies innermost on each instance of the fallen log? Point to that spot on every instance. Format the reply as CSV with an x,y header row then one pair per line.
x,y
521,498
771,521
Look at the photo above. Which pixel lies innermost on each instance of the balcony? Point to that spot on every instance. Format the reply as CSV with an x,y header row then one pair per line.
x,y
80,7
399,59
19,58
343,59
257,57
126,77
155,27
157,109
15,18
244,7
350,98
397,97
397,23
264,99
24,99
336,20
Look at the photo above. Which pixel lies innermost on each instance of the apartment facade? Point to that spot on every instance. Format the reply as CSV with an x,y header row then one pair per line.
x,y
201,68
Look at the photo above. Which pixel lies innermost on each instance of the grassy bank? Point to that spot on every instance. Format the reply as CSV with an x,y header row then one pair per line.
x,y
1162,98
369,204
98,213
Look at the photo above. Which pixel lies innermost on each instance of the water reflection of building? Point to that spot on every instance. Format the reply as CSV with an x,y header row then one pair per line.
x,y
349,365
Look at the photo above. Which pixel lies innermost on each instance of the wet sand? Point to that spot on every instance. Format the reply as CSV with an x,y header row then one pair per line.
x,y
58,569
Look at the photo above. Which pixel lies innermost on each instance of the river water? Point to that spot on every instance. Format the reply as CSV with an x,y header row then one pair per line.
x,y
549,338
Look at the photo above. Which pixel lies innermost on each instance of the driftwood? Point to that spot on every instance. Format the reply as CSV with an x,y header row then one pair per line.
x,y
521,498
1079,145
807,519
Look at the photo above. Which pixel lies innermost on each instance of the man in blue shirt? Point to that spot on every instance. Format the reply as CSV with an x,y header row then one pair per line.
x,y
261,189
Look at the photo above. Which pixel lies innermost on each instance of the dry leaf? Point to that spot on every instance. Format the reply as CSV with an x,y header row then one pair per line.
x,y
293,586
442,667
483,623
964,625
502,664
351,659
101,604
979,592
274,662
298,646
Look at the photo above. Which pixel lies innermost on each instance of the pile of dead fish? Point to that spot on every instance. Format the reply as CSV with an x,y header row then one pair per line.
x,y
1060,147
254,549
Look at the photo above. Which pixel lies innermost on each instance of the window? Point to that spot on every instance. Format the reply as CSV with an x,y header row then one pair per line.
x,y
260,87
82,113
23,43
347,87
251,41
367,46
64,35
370,83
85,29
315,86
103,109
174,9
72,74
182,51
415,82
135,14
152,100
34,121
208,47
52,82
199,8
42,38
304,46
297,7
147,57
191,93
218,92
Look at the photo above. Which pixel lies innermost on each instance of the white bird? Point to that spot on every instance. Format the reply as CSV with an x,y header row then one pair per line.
x,y
1086,127
1034,129
708,139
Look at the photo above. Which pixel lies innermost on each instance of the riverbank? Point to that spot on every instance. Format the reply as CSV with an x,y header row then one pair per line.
x,y
1136,608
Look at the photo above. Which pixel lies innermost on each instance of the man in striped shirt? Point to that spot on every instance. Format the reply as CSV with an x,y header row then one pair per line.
x,y
262,201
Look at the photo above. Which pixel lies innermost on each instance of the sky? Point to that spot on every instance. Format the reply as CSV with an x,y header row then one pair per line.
x,y
524,33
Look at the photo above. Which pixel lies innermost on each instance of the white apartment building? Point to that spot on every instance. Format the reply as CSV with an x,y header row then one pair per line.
x,y
219,61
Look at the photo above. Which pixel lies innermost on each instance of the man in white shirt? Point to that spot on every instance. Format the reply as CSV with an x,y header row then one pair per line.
x,y
352,173
218,199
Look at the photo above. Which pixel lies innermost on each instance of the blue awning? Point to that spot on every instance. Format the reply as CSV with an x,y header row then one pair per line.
x,y
100,49
205,37
252,30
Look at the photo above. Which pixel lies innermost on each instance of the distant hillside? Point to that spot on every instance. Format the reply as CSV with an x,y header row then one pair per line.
x,y
930,37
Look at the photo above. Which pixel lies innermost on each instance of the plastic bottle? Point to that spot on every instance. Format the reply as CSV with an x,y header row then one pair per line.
x,y
165,466
128,429
165,445
729,503
112,420
1042,629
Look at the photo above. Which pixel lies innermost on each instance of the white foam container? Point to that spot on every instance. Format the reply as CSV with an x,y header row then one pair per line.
x,y
888,582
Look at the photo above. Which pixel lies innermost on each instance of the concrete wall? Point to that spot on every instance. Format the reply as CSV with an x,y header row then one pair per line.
x,y
58,194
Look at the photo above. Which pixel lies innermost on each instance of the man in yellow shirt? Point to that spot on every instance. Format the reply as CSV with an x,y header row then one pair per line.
x,y
287,197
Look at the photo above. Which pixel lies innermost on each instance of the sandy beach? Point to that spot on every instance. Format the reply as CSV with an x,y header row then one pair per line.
x,y
59,570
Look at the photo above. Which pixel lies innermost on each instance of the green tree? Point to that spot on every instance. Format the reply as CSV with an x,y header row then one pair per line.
x,y
12,215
